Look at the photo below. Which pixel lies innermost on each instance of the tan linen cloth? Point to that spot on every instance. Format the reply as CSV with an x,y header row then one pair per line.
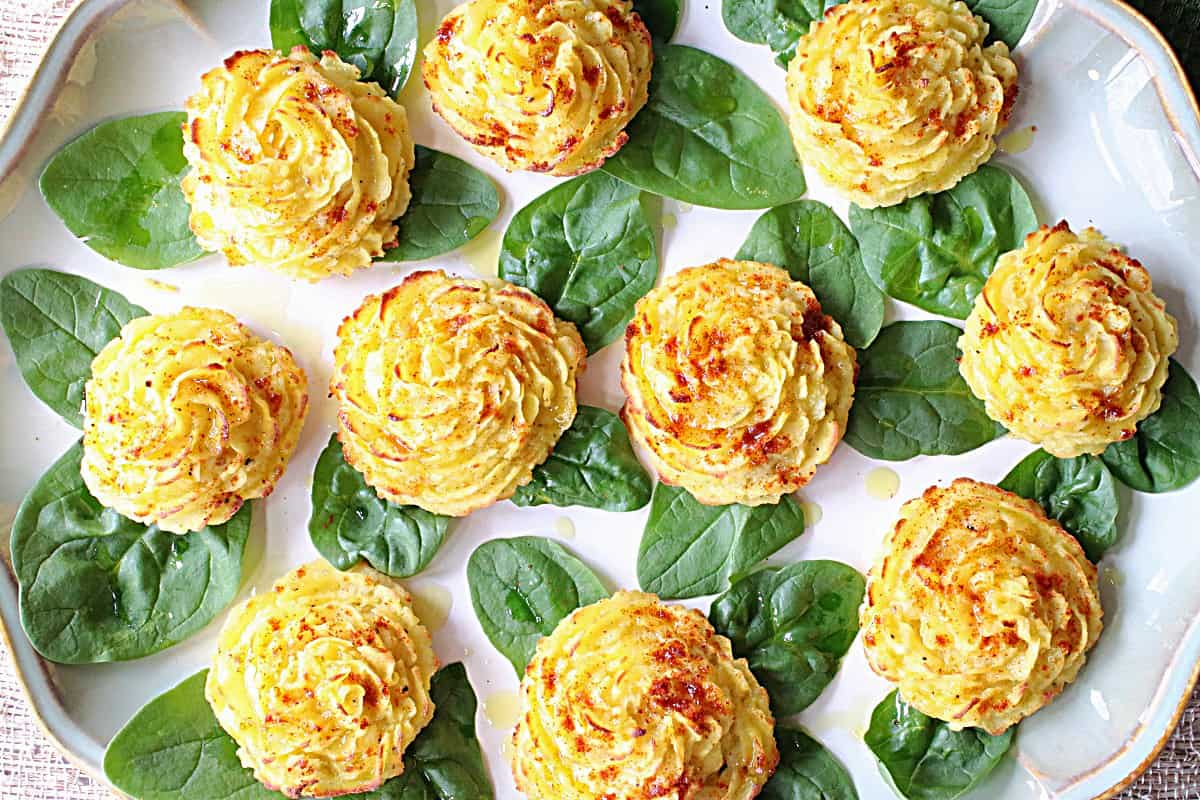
x,y
31,768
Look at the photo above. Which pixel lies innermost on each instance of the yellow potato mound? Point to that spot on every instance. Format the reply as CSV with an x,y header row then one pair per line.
x,y
1067,344
541,85
452,390
188,415
323,681
736,382
296,165
894,98
981,609
631,699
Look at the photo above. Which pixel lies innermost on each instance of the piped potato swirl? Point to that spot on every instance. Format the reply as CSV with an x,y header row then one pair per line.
x,y
631,699
187,416
980,608
541,85
452,390
1067,345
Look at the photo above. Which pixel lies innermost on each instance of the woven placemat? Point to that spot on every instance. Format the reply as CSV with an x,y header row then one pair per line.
x,y
32,769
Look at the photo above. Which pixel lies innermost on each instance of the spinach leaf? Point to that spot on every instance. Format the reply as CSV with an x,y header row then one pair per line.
x,y
937,250
779,24
809,240
910,399
585,247
807,771
174,749
116,187
792,625
452,202
1078,492
57,323
350,522
1164,454
377,36
592,465
660,16
689,549
1008,18
924,759
708,136
522,588
95,586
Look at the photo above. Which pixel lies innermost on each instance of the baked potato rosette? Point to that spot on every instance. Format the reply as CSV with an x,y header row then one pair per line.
x,y
297,166
980,609
630,699
451,390
187,416
541,85
737,383
1067,345
894,98
323,681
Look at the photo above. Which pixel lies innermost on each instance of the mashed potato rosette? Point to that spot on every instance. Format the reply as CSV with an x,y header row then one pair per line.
x,y
631,699
323,681
894,98
297,166
187,416
737,383
541,85
981,609
452,390
1067,345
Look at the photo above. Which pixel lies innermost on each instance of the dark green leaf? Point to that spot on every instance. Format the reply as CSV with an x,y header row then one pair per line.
x,y
350,522
809,240
1078,492
1164,454
924,759
910,399
95,586
937,250
689,549
708,136
522,588
377,36
592,465
1008,18
807,771
57,323
451,203
792,625
660,16
779,24
117,188
585,247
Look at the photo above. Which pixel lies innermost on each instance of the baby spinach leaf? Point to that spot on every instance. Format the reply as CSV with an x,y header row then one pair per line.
x,y
1078,492
1164,454
806,771
350,522
377,36
522,588
937,250
57,323
689,549
708,136
95,586
779,24
792,625
1008,18
587,249
660,16
116,187
924,759
452,202
592,465
809,240
174,749
910,399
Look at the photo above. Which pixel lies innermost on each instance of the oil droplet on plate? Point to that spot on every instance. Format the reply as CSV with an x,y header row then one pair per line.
x,y
1113,576
1018,141
506,749
502,709
883,483
482,253
431,602
161,286
564,527
669,221
812,513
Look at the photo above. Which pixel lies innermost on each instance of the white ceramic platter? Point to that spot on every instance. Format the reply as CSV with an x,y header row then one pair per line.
x,y
1116,146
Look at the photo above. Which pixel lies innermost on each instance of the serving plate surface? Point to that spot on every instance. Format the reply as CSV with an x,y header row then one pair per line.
x,y
1116,144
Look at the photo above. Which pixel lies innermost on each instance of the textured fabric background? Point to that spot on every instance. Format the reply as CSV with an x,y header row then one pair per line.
x,y
31,768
